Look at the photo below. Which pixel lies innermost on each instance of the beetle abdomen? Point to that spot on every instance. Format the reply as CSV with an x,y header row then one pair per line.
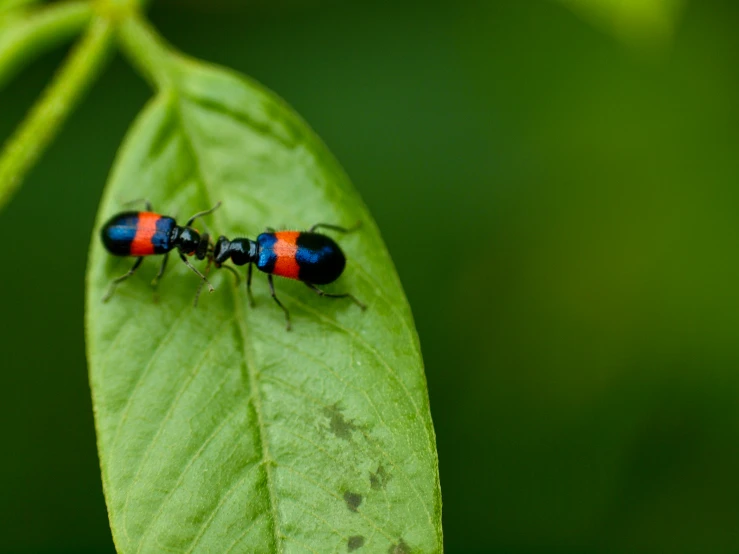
x,y
138,234
309,257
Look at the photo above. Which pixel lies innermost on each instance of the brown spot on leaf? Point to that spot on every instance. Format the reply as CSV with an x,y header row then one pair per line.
x,y
400,548
379,479
338,424
353,500
355,542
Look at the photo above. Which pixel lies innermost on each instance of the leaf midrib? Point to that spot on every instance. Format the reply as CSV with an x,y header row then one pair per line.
x,y
249,364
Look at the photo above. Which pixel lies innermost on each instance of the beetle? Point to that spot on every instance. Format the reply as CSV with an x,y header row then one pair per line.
x,y
307,256
148,233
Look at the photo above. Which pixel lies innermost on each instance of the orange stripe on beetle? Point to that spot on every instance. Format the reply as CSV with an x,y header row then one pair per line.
x,y
146,228
286,249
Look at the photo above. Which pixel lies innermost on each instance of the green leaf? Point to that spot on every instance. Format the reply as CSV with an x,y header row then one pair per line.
x,y
218,430
641,23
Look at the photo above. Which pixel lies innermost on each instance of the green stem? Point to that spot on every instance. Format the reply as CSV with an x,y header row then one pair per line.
x,y
25,37
51,110
147,51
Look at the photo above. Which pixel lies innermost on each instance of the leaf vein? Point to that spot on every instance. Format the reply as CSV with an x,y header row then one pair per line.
x,y
180,391
226,496
243,535
183,473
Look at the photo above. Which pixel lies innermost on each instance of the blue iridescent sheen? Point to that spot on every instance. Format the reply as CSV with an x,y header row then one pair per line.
x,y
307,256
123,229
161,240
267,257
319,257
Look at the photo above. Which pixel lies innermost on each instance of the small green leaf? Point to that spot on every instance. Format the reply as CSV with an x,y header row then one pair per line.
x,y
218,430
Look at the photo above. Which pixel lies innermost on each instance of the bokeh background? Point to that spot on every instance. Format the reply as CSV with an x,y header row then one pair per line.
x,y
558,187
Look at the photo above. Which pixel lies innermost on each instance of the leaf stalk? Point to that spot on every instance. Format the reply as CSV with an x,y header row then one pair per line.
x,y
51,111
147,51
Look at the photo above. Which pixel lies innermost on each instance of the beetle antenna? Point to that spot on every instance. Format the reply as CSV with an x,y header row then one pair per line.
x,y
201,214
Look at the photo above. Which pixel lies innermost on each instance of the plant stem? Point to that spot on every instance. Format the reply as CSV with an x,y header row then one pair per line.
x,y
27,36
49,113
147,51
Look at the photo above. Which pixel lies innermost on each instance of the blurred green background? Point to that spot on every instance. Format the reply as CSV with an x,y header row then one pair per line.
x,y
559,192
